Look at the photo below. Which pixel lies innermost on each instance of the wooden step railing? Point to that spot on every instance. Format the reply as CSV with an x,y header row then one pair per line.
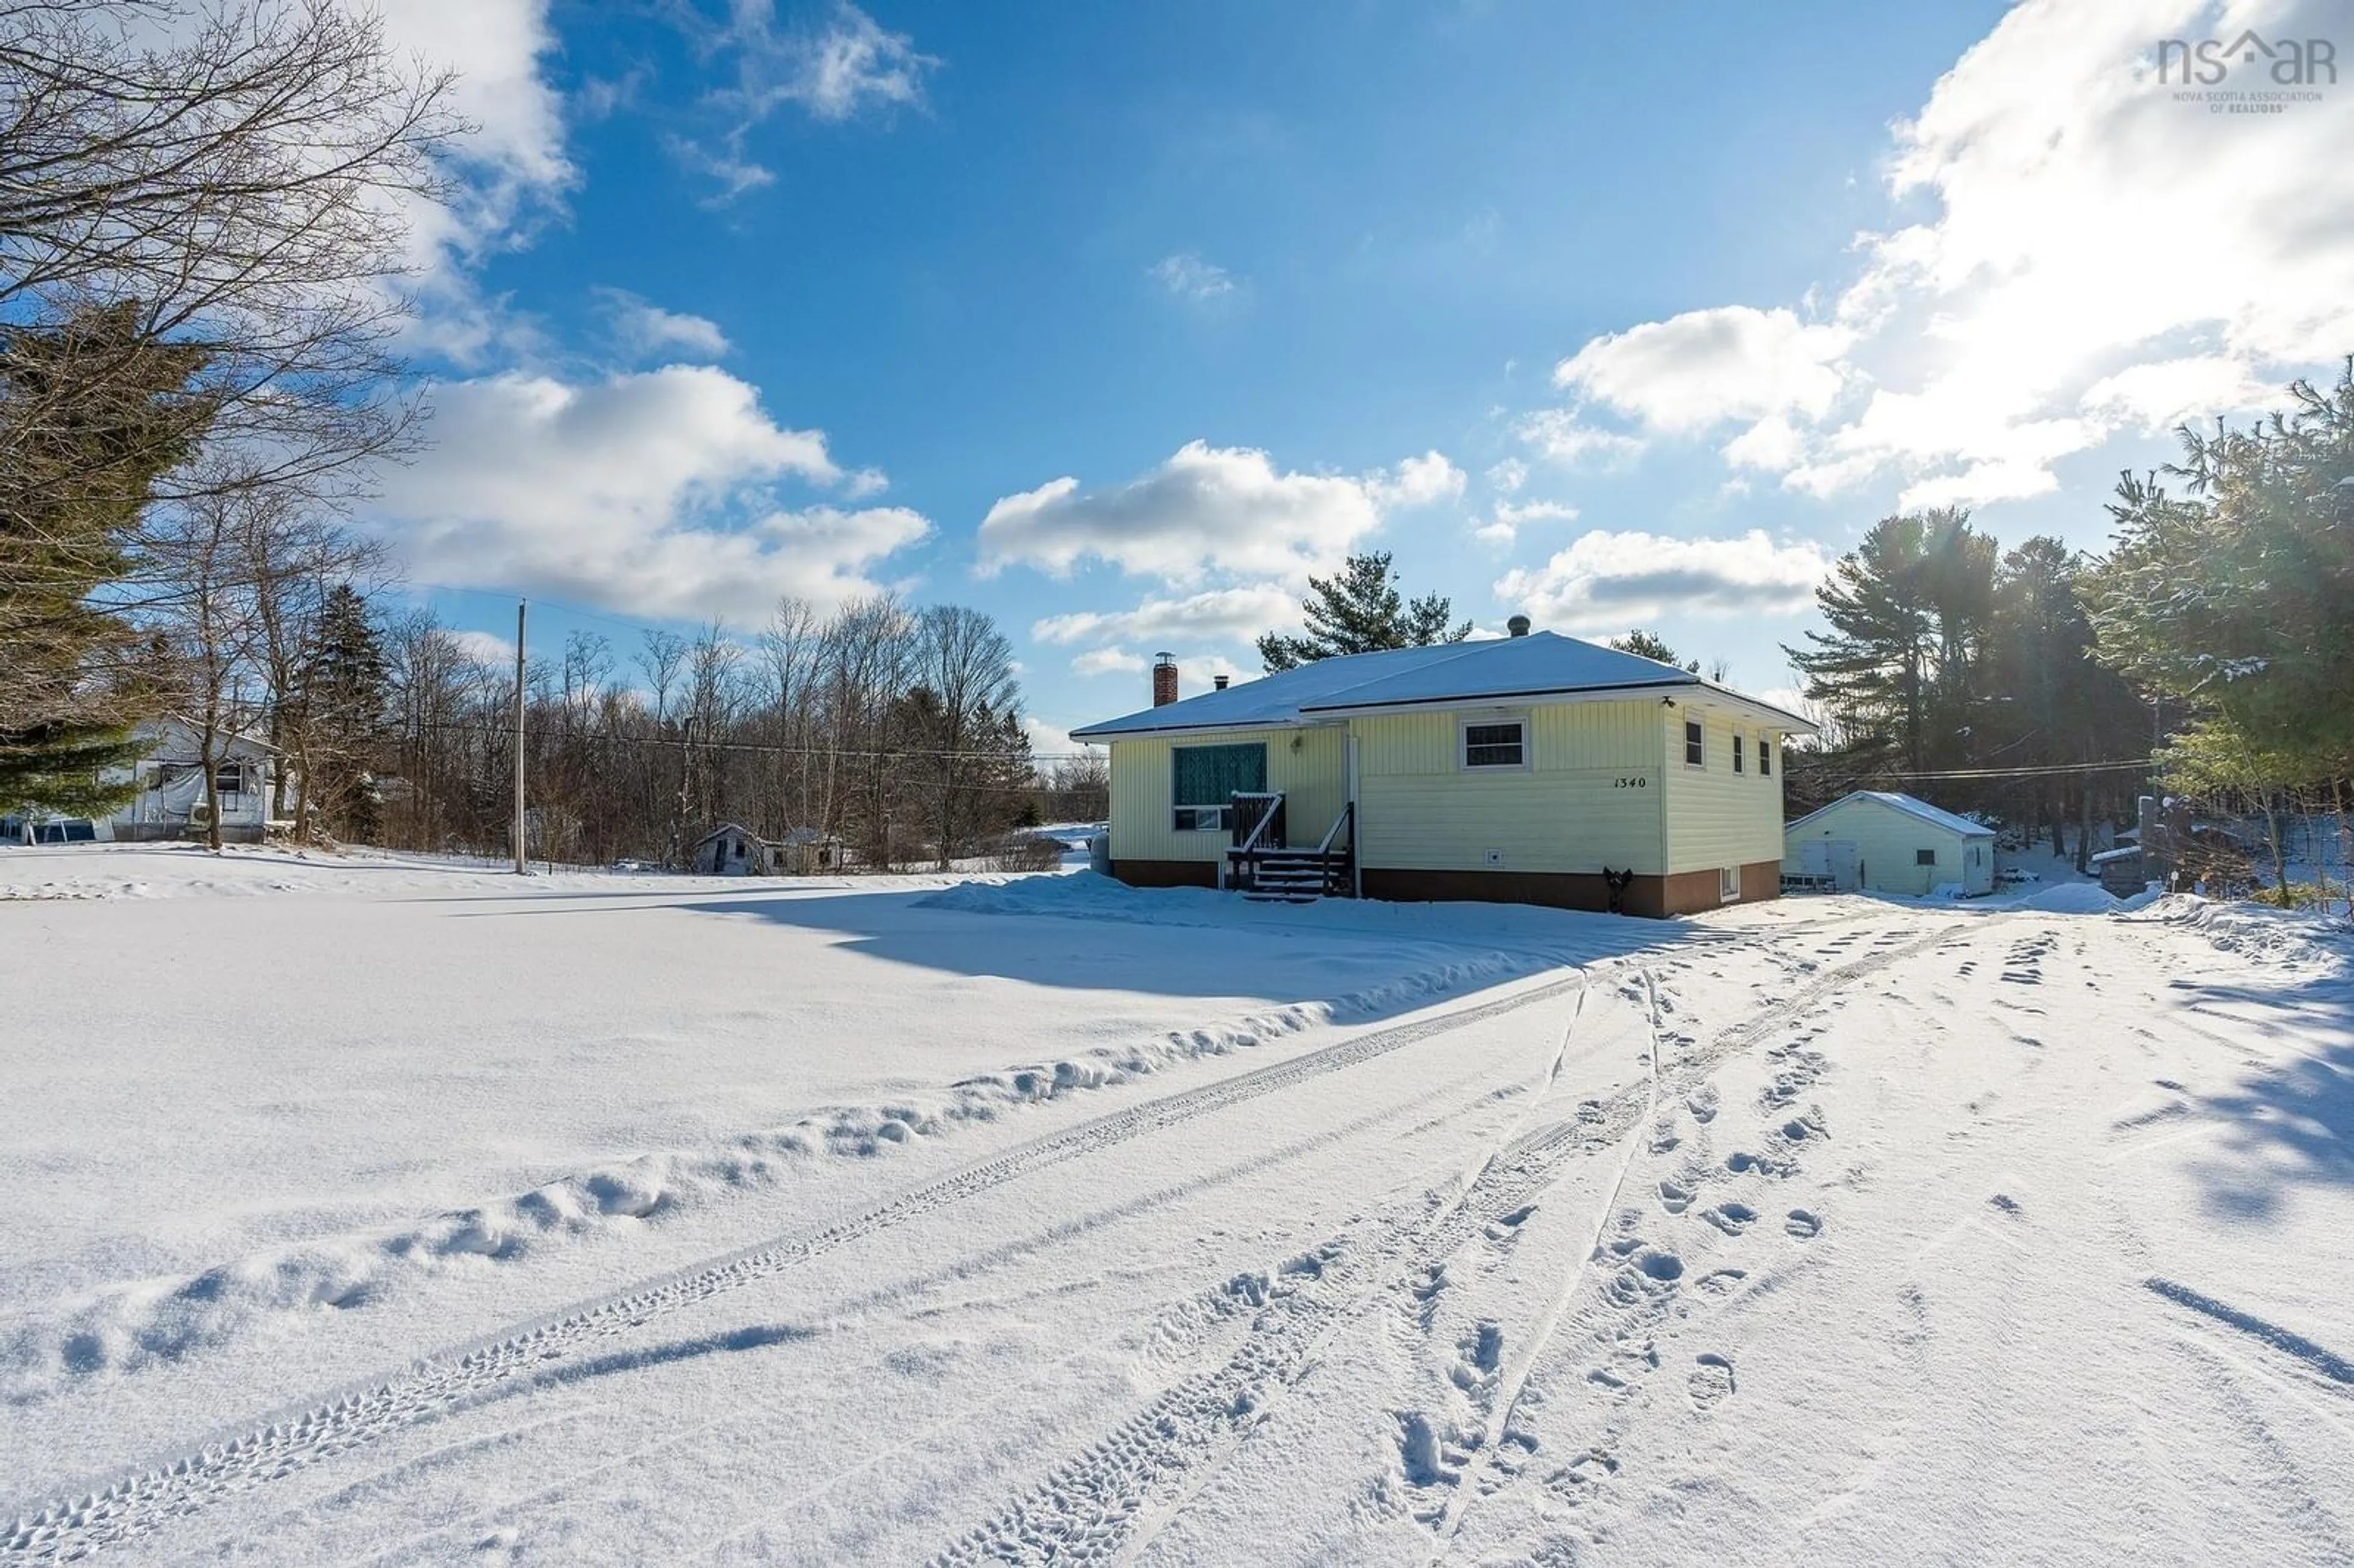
x,y
1267,869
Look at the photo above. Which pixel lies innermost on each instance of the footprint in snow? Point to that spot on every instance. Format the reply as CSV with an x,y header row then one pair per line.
x,y
1801,1226
1713,1379
1731,1218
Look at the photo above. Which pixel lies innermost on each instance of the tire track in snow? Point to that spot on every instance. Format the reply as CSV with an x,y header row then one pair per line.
x,y
1103,1503
139,1503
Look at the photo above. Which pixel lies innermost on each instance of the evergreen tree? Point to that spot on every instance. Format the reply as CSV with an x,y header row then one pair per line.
x,y
2238,598
1908,610
98,413
1643,645
339,717
1360,611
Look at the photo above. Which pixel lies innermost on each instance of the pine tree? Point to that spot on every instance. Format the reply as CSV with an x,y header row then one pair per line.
x,y
1908,610
2238,598
1643,645
96,414
340,715
1360,611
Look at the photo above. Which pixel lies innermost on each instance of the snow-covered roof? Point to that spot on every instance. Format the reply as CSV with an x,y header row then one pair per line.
x,y
1541,665
1912,806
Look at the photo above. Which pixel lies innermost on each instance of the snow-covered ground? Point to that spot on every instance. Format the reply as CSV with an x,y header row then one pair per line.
x,y
363,1209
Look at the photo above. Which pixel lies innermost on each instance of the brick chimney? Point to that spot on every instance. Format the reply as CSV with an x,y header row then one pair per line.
x,y
1165,679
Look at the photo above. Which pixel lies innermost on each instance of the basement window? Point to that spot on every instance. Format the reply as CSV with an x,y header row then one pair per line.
x,y
1204,780
1728,885
1499,743
1695,744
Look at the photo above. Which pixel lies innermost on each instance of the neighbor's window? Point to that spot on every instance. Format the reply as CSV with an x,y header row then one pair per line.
x,y
229,778
1736,756
1764,758
1924,857
1501,744
1205,779
1695,744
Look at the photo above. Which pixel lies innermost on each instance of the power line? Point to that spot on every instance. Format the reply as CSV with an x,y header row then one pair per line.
x,y
1793,763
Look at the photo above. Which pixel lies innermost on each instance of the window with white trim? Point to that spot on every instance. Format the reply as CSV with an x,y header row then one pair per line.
x,y
1695,744
1764,758
1728,885
1737,767
1495,743
1204,780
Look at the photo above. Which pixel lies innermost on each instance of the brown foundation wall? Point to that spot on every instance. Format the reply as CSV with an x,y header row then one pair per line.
x,y
1166,873
1688,892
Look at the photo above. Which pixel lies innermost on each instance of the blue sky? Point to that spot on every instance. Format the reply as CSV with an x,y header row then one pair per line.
x,y
1118,324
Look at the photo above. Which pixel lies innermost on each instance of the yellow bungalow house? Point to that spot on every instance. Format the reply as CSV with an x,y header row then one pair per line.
x,y
1516,769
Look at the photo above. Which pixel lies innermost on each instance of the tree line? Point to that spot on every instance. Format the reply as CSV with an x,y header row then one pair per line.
x,y
2209,655
892,731
205,251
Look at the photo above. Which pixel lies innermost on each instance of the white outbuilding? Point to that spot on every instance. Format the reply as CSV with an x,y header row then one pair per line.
x,y
1880,841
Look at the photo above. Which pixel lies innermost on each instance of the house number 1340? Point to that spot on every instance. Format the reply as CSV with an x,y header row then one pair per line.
x,y
1636,783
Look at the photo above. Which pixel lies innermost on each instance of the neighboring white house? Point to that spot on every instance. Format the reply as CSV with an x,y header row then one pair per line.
x,y
1890,843
733,850
170,802
1513,769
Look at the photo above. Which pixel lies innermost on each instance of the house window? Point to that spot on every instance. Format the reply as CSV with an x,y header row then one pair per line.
x,y
1728,885
1924,857
229,778
1501,744
1736,756
1205,779
1695,744
1764,758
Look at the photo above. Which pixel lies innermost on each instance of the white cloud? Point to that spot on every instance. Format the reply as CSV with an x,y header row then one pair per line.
x,y
1109,662
1188,277
1051,740
1607,581
649,492
1207,509
486,648
510,171
1703,367
847,67
1240,613
1560,436
644,330
1422,481
2163,393
1504,527
1507,477
2102,256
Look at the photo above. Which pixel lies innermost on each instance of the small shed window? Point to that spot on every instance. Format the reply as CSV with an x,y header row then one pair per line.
x,y
1695,744
1501,744
1924,857
1204,778
1764,758
1737,767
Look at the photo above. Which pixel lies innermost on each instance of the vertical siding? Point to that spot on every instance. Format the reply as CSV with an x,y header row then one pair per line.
x,y
1886,841
1716,817
1591,796
1309,764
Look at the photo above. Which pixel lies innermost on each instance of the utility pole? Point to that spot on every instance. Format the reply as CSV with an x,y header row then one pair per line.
x,y
521,869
